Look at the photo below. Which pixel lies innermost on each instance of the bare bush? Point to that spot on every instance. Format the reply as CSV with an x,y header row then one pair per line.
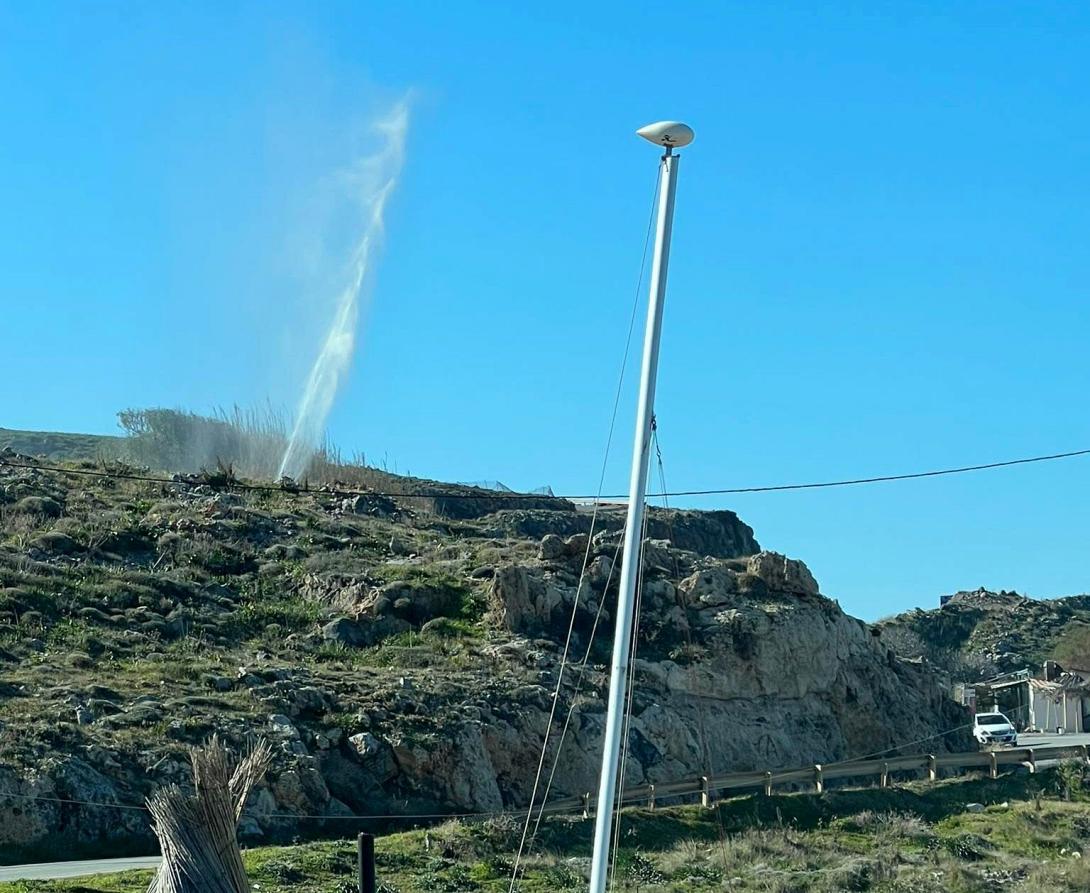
x,y
246,443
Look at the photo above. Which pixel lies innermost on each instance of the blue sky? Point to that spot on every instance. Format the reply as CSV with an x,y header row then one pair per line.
x,y
879,260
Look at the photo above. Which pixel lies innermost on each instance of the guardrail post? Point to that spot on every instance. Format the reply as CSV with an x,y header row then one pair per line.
x,y
365,850
1085,751
708,794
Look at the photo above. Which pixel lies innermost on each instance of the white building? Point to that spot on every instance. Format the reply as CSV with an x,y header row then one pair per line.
x,y
1056,705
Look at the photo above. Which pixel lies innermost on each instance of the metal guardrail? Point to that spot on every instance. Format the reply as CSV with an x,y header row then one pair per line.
x,y
707,787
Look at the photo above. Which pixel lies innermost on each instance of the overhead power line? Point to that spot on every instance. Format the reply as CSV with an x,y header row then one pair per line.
x,y
411,817
450,493
881,478
538,810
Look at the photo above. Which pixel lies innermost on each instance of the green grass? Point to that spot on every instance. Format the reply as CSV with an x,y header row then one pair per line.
x,y
289,612
916,838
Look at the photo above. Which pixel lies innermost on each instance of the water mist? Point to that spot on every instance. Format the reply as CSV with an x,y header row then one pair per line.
x,y
373,180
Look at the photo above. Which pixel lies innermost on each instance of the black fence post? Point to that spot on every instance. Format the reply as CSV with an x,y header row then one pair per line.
x,y
365,845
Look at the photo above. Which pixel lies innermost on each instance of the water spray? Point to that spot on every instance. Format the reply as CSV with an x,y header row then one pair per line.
x,y
374,179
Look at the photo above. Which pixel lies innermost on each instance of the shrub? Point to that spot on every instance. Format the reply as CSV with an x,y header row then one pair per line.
x,y
969,847
1073,647
1070,777
643,871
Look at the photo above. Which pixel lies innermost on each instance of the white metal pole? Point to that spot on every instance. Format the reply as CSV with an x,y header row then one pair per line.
x,y
637,488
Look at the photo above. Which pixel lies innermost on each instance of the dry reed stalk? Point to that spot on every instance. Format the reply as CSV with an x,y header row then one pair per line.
x,y
197,833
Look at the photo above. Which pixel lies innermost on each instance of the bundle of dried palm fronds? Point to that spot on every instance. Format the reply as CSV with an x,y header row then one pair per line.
x,y
197,832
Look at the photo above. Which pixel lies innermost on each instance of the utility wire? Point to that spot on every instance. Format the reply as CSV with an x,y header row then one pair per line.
x,y
423,816
634,636
526,842
418,816
577,688
705,750
516,497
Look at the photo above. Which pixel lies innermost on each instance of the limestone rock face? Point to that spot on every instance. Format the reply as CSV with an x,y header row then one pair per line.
x,y
741,665
535,600
783,574
745,666
400,659
719,534
772,675
26,821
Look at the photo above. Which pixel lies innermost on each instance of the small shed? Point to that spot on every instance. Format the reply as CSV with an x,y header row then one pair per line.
x,y
965,694
1056,705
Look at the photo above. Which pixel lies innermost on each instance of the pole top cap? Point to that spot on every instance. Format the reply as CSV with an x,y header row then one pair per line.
x,y
672,134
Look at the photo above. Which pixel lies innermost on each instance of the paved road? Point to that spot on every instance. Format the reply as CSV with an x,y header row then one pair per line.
x,y
109,866
75,869
1027,740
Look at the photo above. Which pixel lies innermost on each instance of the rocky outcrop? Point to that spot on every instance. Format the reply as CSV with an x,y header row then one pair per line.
x,y
975,634
375,612
401,663
759,670
774,675
718,534
466,503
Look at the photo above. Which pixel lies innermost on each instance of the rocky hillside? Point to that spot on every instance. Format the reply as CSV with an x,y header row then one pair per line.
x,y
402,653
59,445
980,633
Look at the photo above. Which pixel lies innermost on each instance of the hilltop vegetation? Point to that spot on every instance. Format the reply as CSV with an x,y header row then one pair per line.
x,y
978,634
247,442
54,445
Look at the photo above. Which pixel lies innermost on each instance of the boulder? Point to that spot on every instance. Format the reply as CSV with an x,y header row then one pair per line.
x,y
576,545
658,555
363,633
600,570
344,631
710,587
281,725
417,602
56,543
552,548
44,506
365,744
285,552
783,574
530,600
369,504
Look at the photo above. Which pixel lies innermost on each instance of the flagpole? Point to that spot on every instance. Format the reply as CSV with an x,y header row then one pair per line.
x,y
671,135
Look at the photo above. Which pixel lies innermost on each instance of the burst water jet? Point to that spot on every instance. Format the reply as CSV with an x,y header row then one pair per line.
x,y
374,179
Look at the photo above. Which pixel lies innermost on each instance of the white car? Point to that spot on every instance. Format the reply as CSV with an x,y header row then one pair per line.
x,y
994,728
